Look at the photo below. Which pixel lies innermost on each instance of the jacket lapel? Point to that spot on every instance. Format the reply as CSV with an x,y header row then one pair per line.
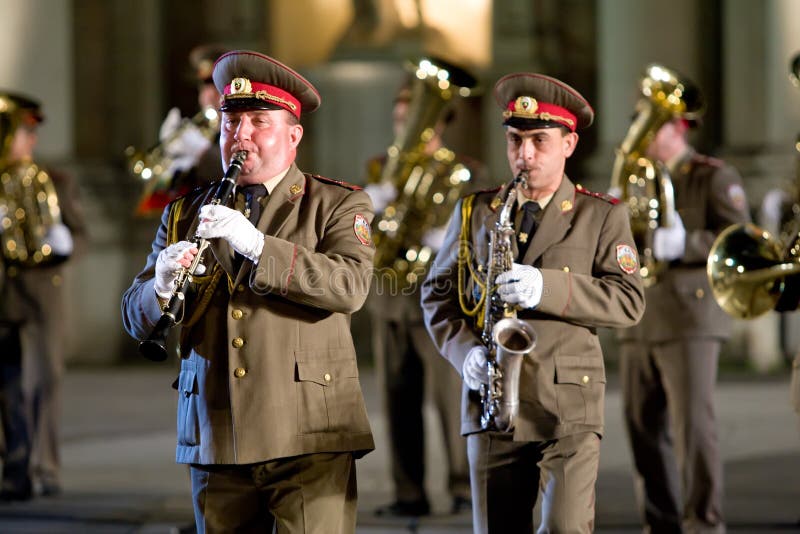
x,y
556,221
281,204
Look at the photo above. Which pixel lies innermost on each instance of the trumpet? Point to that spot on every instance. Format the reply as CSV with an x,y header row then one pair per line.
x,y
155,346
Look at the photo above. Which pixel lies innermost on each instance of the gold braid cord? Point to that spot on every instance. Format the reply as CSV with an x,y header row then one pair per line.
x,y
464,261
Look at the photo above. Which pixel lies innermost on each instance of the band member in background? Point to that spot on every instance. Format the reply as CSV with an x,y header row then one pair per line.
x,y
188,151
575,269
271,414
32,301
405,354
668,362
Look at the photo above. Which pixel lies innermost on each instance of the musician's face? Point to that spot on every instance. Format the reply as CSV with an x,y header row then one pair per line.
x,y
23,144
270,138
541,154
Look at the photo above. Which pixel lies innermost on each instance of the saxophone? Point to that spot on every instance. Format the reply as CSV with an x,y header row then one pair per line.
x,y
509,339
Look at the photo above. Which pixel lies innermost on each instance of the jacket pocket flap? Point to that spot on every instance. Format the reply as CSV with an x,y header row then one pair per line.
x,y
325,373
579,370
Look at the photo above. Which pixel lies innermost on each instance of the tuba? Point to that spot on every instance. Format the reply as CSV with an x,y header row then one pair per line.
x,y
154,166
428,185
28,200
509,339
643,185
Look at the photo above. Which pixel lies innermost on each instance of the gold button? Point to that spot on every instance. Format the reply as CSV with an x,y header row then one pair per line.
x,y
239,372
237,314
56,280
327,377
237,343
240,288
566,268
585,379
699,293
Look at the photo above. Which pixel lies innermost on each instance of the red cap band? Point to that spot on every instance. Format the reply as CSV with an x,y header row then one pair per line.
x,y
526,107
244,88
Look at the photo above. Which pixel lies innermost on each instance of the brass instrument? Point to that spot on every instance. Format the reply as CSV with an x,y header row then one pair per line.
x,y
643,185
155,346
28,200
747,266
428,186
154,165
509,339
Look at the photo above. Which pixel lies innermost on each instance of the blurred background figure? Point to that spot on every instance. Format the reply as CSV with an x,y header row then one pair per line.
x,y
413,188
41,228
668,362
187,154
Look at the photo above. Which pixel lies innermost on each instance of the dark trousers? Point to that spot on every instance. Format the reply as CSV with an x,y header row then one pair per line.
x,y
313,493
669,414
405,355
17,441
507,476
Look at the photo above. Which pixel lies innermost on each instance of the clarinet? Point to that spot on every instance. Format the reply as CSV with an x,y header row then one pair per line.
x,y
155,346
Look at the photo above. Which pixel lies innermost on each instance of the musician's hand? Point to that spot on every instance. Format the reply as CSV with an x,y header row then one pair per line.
x,y
171,123
669,243
522,285
232,226
474,369
59,238
381,195
169,263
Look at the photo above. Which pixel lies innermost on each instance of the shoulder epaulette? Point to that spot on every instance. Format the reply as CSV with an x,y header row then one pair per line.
x,y
708,160
340,183
602,196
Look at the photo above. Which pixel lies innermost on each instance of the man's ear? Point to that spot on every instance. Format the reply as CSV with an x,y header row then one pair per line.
x,y
570,142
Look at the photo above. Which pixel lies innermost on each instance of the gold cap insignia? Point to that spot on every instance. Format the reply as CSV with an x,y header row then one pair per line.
x,y
241,85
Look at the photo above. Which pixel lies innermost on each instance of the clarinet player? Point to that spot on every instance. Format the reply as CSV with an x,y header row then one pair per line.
x,y
575,269
270,412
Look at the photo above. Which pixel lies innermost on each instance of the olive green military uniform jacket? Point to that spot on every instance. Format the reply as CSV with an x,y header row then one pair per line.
x,y
709,197
268,366
589,266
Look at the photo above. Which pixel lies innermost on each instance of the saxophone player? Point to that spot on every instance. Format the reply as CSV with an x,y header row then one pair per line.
x,y
575,269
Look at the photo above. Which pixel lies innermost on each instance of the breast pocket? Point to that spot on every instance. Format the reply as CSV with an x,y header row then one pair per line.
x,y
569,259
188,427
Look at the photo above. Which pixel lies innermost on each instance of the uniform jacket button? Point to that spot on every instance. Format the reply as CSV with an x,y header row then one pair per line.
x,y
699,293
239,372
327,377
237,343
237,314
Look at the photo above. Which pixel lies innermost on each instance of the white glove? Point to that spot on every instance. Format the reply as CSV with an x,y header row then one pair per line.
x,y
772,209
171,123
669,243
615,192
522,285
381,194
474,368
232,226
169,263
186,149
59,238
434,238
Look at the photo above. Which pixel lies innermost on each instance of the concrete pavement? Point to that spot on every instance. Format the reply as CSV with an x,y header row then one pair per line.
x,y
119,473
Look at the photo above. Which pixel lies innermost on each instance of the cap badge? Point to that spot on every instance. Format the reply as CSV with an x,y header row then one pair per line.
x,y
526,104
241,85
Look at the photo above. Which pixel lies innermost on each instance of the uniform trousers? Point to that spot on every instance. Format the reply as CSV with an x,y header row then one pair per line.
x,y
669,414
16,431
43,373
405,355
507,476
312,493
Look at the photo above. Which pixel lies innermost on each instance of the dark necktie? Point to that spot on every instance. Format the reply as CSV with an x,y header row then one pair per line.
x,y
248,201
527,227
